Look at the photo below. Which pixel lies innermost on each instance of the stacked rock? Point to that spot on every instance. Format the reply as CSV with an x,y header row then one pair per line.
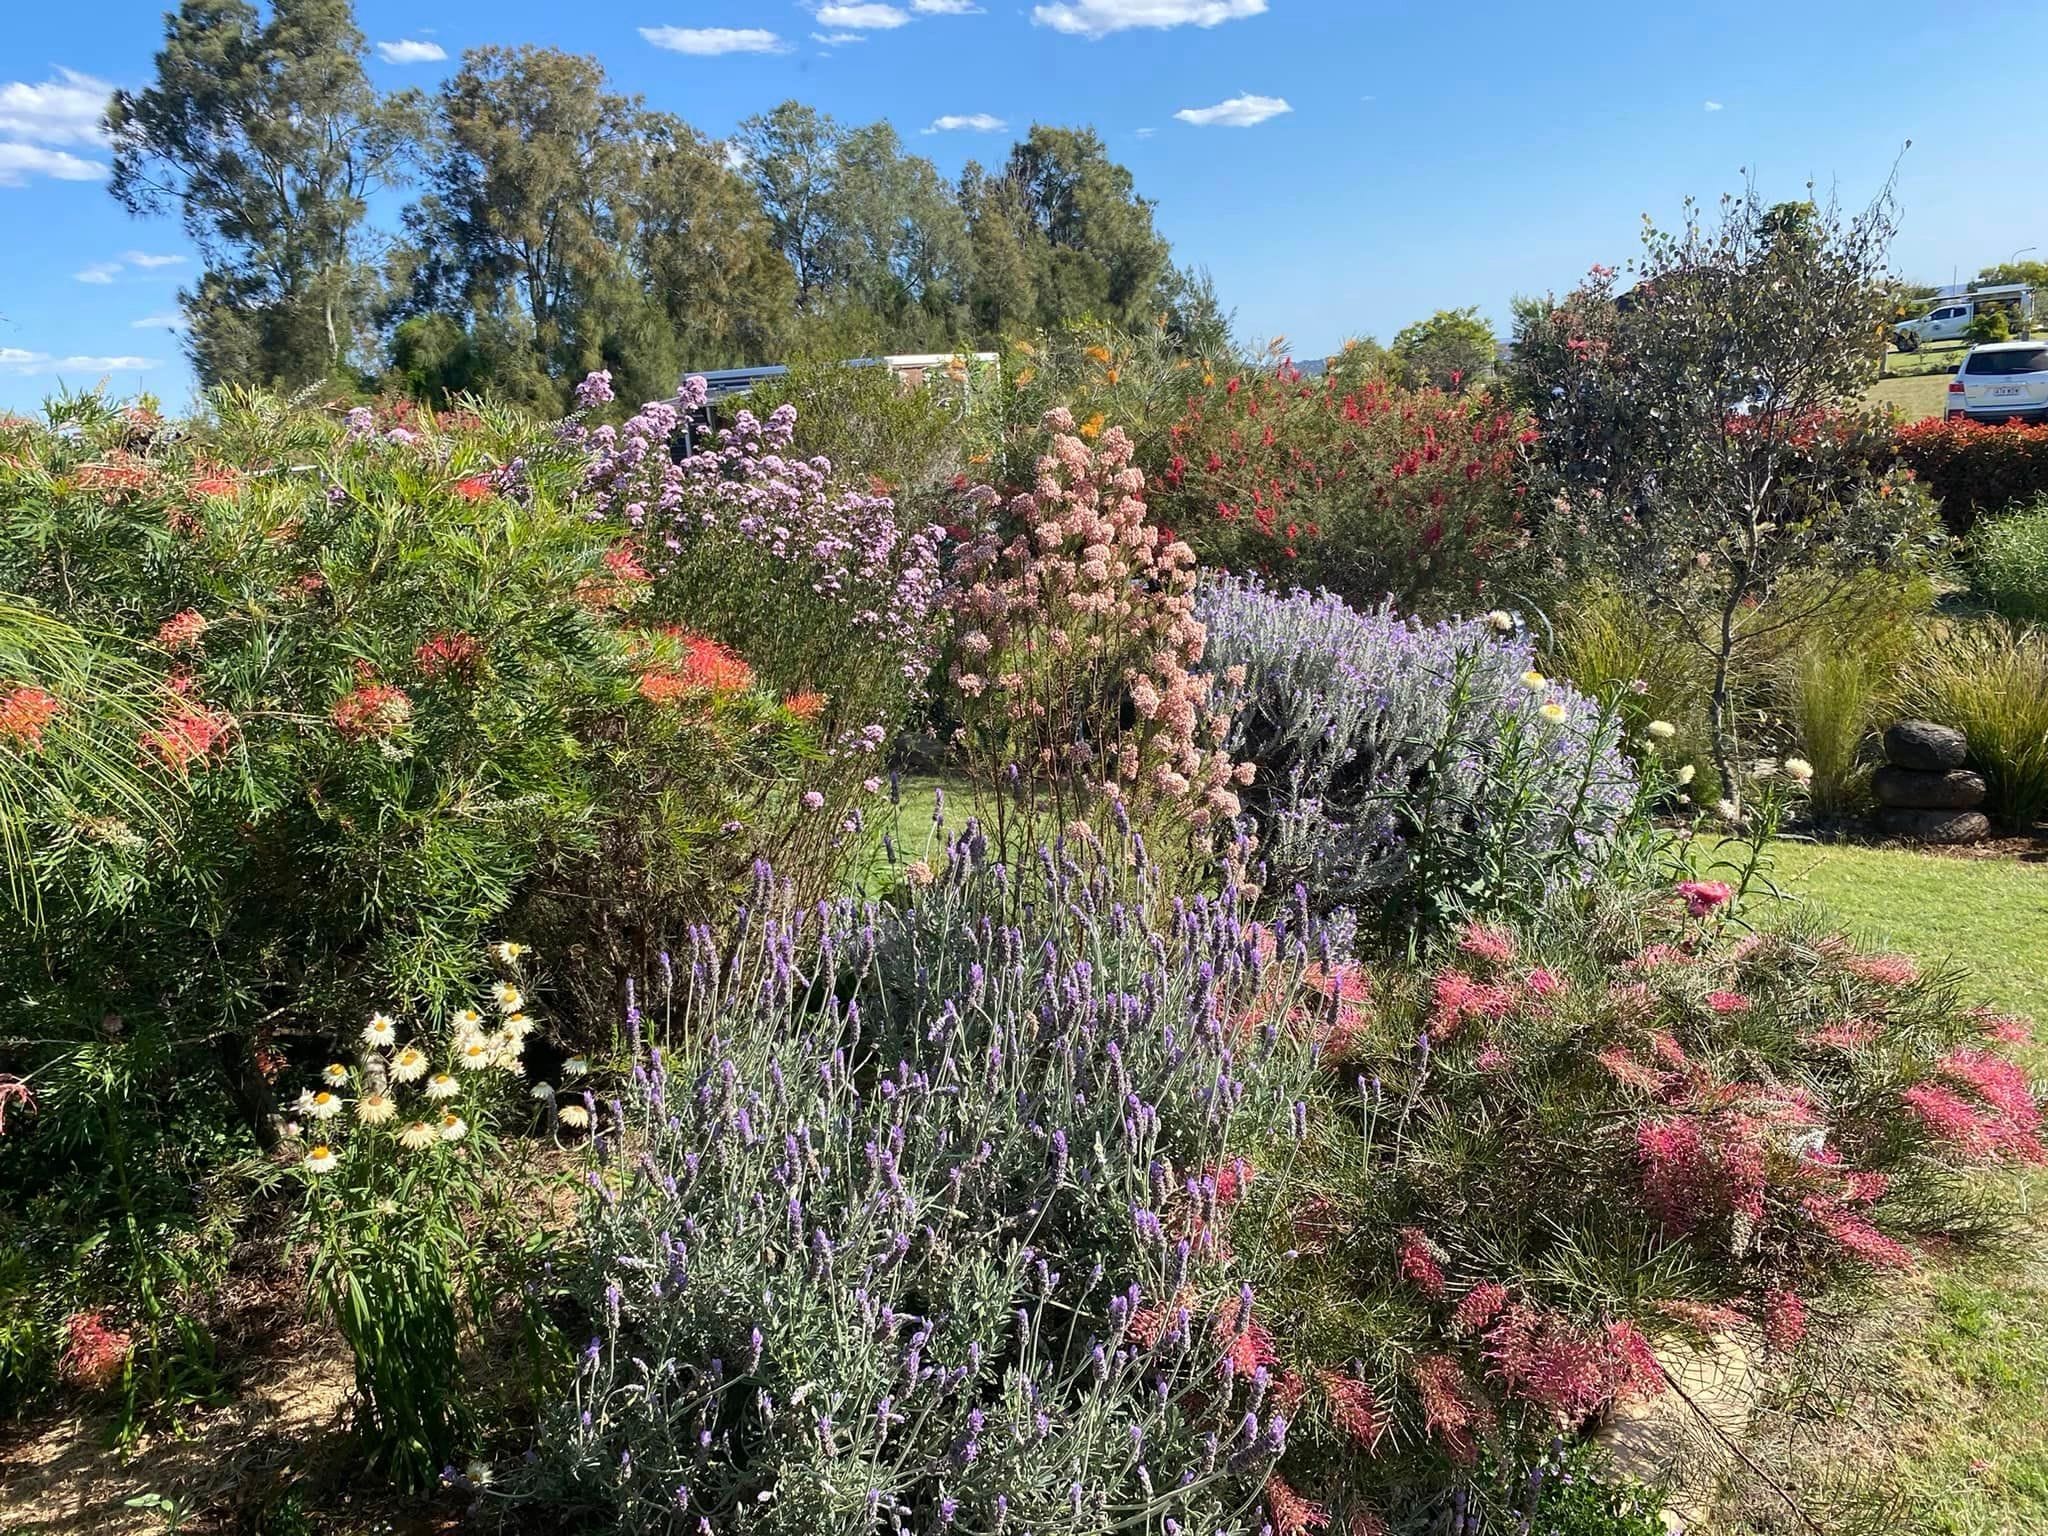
x,y
1924,790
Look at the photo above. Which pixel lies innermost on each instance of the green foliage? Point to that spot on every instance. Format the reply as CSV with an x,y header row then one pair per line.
x,y
266,138
1453,350
1607,643
1833,697
911,440
1990,681
2009,564
1700,439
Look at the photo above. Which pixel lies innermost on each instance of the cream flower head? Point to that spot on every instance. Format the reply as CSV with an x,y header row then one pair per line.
x,y
1661,730
323,1105
507,953
417,1135
575,1066
409,1065
453,1127
468,1021
1554,712
380,1030
442,1086
474,1054
1535,681
320,1160
574,1116
375,1108
507,997
335,1075
1798,770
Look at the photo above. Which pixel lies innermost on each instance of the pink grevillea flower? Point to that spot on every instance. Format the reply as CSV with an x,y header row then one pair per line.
x,y
1478,1307
1856,1235
1784,1319
371,710
1354,1407
94,1354
182,631
1696,1171
1702,1316
1724,1002
1885,970
1569,1370
25,713
1418,1264
1543,982
1997,1121
187,738
1451,1410
1630,1071
1457,998
1487,943
1703,896
1293,1515
1849,1035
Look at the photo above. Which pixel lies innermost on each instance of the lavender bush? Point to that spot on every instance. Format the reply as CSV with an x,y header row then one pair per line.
x,y
1414,772
915,1219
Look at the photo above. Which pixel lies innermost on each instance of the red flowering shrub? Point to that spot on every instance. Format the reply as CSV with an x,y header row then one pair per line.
x,y
1530,1177
1975,468
1372,492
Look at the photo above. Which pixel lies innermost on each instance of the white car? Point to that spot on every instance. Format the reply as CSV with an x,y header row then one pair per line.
x,y
1949,322
2001,381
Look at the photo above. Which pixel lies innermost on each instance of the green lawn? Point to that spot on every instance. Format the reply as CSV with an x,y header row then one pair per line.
x,y
1916,397
1988,915
1959,1429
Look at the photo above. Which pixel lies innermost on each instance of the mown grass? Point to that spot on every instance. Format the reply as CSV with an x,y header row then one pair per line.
x,y
1960,1429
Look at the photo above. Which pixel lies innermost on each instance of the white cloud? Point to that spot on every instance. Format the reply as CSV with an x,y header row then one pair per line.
x,y
411,50
709,42
162,320
839,39
945,7
972,122
66,110
150,262
1238,112
18,162
868,17
1099,18
1712,106
1144,133
98,272
24,364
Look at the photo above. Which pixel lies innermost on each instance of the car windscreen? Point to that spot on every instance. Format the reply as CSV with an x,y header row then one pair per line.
x,y
2018,360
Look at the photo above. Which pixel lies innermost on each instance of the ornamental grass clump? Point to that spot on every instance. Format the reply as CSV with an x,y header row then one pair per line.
x,y
1563,1155
1412,772
922,1217
1076,650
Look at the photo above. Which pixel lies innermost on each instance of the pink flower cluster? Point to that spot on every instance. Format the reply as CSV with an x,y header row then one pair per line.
x,y
1985,1109
1570,1371
1077,647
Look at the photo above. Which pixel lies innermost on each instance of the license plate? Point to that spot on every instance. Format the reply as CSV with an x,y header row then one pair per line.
x,y
2006,391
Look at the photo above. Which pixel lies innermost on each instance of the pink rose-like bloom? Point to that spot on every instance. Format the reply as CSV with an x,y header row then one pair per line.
x,y
1703,896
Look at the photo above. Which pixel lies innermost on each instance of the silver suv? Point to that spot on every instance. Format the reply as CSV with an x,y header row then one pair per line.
x,y
2001,381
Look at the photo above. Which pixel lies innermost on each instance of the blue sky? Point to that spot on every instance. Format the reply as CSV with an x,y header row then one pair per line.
x,y
1341,166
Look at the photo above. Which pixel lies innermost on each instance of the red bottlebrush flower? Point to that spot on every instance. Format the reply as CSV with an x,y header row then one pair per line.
x,y
187,738
623,563
182,631
1856,1235
216,485
1248,1347
448,655
1723,1002
1450,1409
1885,970
1696,1171
1480,1306
475,488
1784,1319
1354,1407
1485,943
705,668
1292,1514
1703,896
807,705
1459,998
25,713
1418,1264
371,710
94,1354
1347,983
2004,1125
1543,982
1231,1179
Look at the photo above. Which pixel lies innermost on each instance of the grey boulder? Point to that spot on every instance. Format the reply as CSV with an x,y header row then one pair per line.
x,y
1935,826
1956,790
1924,746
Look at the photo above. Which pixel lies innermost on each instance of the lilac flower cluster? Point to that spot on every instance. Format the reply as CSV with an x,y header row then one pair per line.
x,y
917,1218
1392,752
844,547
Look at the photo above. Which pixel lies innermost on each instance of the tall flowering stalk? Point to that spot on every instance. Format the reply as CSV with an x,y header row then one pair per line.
x,y
922,1219
1076,653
